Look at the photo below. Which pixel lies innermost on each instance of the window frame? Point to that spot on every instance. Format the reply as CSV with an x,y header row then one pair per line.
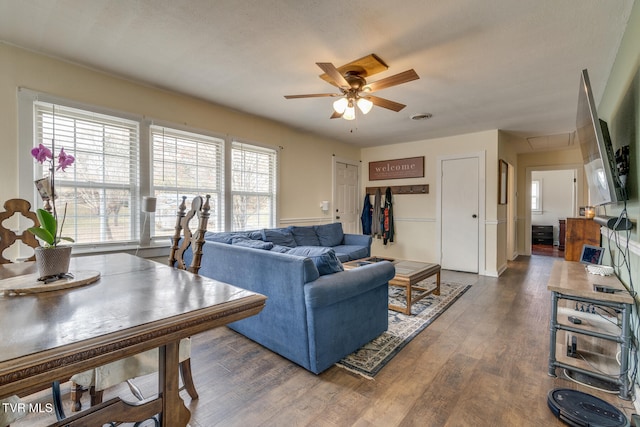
x,y
217,216
537,195
274,175
143,239
28,168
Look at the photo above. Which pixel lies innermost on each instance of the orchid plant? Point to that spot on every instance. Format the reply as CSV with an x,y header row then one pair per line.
x,y
48,230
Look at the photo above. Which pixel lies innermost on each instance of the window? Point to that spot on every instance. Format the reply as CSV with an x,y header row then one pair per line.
x,y
186,164
536,196
121,157
253,186
100,190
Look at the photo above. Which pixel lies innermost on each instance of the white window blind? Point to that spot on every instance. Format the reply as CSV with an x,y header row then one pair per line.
x,y
186,164
253,186
101,188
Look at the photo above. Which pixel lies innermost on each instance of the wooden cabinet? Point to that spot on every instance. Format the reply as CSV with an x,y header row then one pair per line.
x,y
580,231
561,233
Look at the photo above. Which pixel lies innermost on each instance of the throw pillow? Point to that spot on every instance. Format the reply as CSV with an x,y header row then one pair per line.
x,y
325,259
249,243
330,235
305,236
279,236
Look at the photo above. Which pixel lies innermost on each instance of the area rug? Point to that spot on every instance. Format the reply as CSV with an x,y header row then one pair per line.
x,y
372,357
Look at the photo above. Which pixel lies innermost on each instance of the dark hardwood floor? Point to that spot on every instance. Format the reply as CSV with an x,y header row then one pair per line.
x,y
546,250
481,363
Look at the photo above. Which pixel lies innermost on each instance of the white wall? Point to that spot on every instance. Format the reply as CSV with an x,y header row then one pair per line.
x,y
415,215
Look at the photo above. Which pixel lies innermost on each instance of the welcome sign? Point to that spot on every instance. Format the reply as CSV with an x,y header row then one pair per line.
x,y
412,167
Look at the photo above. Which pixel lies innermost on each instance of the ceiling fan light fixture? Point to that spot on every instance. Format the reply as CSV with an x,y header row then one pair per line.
x,y
364,105
349,112
340,105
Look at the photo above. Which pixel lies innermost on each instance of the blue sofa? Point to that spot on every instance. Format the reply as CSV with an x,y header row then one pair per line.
x,y
316,313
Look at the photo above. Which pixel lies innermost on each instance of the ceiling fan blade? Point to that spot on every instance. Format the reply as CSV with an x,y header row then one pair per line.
x,y
336,115
394,80
312,95
385,103
335,75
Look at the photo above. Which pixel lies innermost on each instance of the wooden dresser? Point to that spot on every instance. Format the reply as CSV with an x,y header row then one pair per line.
x,y
580,231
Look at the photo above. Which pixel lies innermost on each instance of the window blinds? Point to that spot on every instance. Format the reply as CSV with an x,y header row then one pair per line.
x,y
186,164
100,190
253,186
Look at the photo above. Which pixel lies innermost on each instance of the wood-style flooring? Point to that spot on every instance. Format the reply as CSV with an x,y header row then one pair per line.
x,y
481,363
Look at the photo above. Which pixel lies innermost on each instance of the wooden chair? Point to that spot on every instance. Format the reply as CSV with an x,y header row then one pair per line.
x,y
149,359
8,237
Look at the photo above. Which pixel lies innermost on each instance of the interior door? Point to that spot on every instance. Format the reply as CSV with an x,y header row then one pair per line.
x,y
346,197
460,214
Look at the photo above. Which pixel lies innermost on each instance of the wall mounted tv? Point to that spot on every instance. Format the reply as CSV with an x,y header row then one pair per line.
x,y
597,151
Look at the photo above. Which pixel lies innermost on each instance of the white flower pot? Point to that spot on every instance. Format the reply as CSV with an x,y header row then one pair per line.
x,y
53,261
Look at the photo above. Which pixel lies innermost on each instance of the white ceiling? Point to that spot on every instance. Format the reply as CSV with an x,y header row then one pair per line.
x,y
483,64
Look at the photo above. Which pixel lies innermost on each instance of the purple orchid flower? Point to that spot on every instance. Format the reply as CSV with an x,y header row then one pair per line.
x,y
41,153
64,160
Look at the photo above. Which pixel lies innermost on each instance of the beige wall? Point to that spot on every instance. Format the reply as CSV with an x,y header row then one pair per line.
x,y
416,215
303,184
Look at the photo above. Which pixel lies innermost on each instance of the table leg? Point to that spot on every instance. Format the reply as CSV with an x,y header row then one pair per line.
x,y
174,412
437,290
408,310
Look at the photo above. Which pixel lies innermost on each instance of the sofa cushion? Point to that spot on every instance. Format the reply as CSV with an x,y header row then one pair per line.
x,y
224,237
352,251
329,235
280,249
279,236
305,236
250,243
324,258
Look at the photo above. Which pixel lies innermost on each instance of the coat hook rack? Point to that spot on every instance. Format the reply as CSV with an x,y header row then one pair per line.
x,y
401,189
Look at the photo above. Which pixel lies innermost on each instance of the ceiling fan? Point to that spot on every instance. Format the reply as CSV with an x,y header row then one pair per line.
x,y
355,91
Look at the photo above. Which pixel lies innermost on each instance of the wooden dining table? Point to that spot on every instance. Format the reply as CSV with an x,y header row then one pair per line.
x,y
135,305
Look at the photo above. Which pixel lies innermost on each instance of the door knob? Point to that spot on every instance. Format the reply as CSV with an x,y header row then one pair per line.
x,y
337,217
474,216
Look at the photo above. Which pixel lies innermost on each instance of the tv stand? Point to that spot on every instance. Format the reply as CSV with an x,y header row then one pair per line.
x,y
570,281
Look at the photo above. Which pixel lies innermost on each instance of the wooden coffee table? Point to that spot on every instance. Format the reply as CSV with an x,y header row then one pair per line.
x,y
408,275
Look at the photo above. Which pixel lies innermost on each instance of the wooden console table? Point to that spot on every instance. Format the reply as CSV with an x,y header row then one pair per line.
x,y
570,281
135,306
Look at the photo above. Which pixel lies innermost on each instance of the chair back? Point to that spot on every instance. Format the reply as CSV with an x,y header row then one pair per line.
x,y
182,230
7,236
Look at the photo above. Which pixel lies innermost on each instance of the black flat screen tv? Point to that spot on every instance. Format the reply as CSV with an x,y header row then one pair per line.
x,y
596,148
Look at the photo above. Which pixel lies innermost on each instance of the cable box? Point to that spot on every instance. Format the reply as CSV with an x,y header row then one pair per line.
x,y
579,409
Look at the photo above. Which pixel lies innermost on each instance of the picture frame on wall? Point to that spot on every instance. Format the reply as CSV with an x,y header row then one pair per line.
x,y
502,182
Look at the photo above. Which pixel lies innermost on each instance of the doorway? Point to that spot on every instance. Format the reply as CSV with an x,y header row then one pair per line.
x,y
552,196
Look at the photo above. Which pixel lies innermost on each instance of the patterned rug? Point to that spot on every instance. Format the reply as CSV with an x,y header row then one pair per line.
x,y
371,358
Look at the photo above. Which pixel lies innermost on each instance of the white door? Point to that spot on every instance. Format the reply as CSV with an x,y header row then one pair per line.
x,y
346,197
460,214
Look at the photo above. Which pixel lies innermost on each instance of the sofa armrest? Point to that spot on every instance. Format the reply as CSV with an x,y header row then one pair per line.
x,y
333,288
357,240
